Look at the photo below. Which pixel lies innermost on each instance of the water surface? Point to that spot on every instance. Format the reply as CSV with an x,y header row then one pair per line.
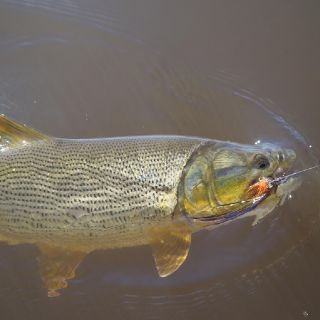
x,y
244,72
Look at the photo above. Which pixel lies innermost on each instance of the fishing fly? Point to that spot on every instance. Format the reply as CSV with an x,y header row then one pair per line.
x,y
266,184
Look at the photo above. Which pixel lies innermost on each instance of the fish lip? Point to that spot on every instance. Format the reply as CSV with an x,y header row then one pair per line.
x,y
279,179
233,214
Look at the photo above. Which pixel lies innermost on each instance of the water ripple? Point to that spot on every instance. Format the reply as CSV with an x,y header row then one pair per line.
x,y
80,13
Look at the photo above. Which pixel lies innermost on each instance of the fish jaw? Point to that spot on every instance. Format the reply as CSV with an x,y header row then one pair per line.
x,y
264,208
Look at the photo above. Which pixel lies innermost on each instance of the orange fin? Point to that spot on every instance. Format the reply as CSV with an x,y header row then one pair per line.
x,y
170,245
56,266
13,133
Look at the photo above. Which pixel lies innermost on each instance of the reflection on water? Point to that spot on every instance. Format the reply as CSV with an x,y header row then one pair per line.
x,y
78,69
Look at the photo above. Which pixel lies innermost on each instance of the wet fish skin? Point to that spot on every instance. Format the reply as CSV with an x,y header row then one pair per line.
x,y
71,197
91,193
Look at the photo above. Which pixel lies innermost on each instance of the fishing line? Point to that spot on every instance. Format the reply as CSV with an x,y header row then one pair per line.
x,y
282,179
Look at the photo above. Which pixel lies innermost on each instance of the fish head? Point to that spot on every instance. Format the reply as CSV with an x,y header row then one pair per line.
x,y
229,179
236,168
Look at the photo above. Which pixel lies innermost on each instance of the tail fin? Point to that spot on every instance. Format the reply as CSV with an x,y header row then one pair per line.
x,y
13,134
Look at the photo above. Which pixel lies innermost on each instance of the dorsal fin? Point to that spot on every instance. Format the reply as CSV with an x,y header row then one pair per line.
x,y
13,134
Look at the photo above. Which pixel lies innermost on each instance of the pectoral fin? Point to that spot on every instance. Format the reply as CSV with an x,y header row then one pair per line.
x,y
170,245
56,266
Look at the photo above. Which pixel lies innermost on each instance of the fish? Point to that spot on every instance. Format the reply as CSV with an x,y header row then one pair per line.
x,y
70,197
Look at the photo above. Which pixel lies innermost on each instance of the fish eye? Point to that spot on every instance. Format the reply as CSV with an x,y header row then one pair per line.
x,y
261,162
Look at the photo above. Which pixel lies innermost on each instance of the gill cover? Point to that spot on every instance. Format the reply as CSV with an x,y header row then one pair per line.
x,y
215,177
230,176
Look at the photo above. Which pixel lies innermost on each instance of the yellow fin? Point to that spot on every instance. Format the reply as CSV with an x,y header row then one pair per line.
x,y
170,245
56,266
13,133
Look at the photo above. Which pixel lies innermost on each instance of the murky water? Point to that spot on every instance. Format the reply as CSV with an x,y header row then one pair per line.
x,y
232,71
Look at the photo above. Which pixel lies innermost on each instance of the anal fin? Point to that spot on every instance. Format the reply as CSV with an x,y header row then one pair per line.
x,y
170,245
57,266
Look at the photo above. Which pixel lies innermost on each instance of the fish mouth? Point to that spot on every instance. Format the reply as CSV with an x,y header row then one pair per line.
x,y
272,183
279,177
218,219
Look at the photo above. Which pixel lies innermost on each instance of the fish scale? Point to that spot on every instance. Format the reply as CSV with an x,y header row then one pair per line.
x,y
103,189
72,197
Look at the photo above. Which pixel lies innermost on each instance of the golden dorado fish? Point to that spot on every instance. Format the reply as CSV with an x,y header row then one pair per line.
x,y
71,197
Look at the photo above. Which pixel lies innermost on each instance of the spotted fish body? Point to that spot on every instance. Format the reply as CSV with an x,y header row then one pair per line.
x,y
95,193
71,197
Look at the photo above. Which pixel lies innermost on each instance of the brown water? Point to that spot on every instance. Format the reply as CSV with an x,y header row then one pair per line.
x,y
241,71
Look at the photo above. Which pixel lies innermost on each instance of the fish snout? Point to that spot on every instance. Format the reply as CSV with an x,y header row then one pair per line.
x,y
286,158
